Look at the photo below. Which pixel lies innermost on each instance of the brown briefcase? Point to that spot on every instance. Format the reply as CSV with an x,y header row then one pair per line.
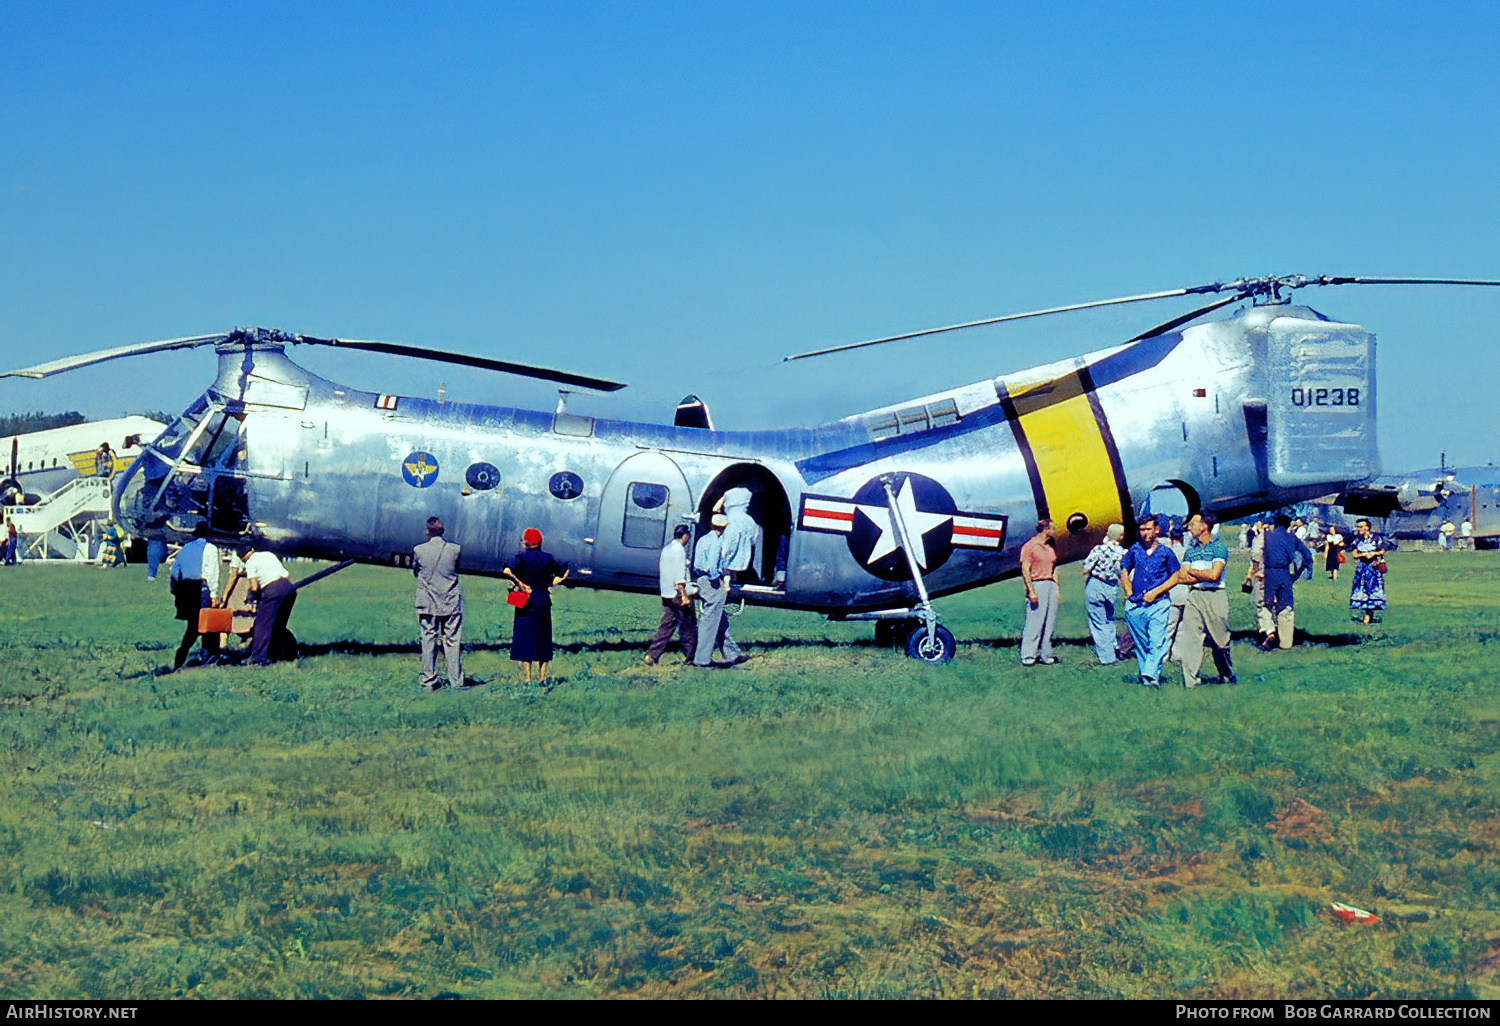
x,y
214,621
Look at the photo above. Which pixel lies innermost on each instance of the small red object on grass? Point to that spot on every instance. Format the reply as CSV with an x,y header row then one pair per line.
x,y
1350,914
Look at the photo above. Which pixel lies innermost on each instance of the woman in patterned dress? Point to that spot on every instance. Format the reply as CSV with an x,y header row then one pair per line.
x,y
1367,594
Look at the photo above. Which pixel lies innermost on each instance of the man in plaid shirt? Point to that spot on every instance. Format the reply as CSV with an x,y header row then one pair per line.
x,y
1101,582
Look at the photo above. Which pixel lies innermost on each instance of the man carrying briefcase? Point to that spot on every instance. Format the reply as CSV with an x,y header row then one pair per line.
x,y
195,581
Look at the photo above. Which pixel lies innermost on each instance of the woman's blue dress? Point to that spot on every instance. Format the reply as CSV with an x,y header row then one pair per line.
x,y
531,641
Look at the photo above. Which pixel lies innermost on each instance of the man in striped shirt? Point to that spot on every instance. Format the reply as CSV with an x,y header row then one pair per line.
x,y
1206,616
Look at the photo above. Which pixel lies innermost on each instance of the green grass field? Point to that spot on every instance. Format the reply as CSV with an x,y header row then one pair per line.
x,y
830,820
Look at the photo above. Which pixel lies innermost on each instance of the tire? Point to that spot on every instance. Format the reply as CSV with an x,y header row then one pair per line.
x,y
937,649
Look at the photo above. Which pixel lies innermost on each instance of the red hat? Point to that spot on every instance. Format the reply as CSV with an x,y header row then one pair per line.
x,y
531,536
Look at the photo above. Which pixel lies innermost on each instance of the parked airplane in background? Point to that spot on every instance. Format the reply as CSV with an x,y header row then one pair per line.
x,y
51,489
41,462
1414,505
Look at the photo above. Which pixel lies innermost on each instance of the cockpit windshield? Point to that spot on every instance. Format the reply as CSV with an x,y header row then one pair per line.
x,y
191,473
169,443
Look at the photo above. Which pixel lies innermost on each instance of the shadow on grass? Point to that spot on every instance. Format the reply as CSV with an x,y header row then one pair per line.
x,y
366,648
1250,637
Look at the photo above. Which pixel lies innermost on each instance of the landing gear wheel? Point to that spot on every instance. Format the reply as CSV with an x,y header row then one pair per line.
x,y
938,648
11,492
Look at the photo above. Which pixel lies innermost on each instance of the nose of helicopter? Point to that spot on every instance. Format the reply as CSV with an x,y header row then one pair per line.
x,y
130,504
191,474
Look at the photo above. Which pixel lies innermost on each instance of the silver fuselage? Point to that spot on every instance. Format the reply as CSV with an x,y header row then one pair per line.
x,y
1240,414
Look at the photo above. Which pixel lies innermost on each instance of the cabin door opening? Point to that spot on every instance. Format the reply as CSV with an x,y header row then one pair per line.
x,y
756,504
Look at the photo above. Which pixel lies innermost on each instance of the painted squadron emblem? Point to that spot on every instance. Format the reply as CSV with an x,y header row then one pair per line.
x,y
420,469
933,522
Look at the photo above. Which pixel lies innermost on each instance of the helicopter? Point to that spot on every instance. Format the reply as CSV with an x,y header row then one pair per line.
x,y
871,517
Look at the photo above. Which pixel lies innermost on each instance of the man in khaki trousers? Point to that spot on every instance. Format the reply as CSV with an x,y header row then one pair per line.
x,y
440,605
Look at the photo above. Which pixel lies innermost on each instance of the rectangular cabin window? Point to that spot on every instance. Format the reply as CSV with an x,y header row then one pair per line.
x,y
884,425
913,418
572,424
646,516
943,413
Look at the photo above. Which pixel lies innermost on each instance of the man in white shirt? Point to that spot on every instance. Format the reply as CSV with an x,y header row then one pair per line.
x,y
676,604
195,585
274,594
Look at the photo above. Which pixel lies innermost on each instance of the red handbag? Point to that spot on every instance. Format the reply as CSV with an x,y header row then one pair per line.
x,y
518,598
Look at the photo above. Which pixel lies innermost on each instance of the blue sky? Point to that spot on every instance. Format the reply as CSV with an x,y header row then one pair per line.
x,y
678,195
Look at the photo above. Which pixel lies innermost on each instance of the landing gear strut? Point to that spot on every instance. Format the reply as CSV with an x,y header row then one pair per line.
x,y
928,642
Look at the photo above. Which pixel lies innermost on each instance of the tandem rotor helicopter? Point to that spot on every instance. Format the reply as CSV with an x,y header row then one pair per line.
x,y
871,517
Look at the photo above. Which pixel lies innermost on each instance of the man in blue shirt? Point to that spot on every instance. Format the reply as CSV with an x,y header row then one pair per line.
x,y
1284,560
1147,573
1206,615
714,576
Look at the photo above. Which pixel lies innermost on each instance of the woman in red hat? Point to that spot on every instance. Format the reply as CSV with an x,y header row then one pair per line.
x,y
534,572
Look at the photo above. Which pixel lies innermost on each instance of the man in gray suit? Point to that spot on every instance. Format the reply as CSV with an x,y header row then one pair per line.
x,y
440,605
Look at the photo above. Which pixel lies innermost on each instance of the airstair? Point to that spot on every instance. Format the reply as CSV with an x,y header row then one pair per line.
x,y
65,524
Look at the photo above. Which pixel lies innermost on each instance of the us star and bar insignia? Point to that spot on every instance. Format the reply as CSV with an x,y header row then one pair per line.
x,y
928,512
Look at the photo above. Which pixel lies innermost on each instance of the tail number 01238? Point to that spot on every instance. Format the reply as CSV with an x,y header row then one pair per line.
x,y
1325,397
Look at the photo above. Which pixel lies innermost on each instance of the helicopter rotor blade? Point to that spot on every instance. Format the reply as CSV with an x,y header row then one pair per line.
x,y
1169,294
465,360
1177,322
68,363
43,370
1267,288
1331,280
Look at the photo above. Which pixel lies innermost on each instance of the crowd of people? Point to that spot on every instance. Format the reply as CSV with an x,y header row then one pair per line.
x,y
260,589
722,556
1174,590
1452,539
1176,598
268,595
